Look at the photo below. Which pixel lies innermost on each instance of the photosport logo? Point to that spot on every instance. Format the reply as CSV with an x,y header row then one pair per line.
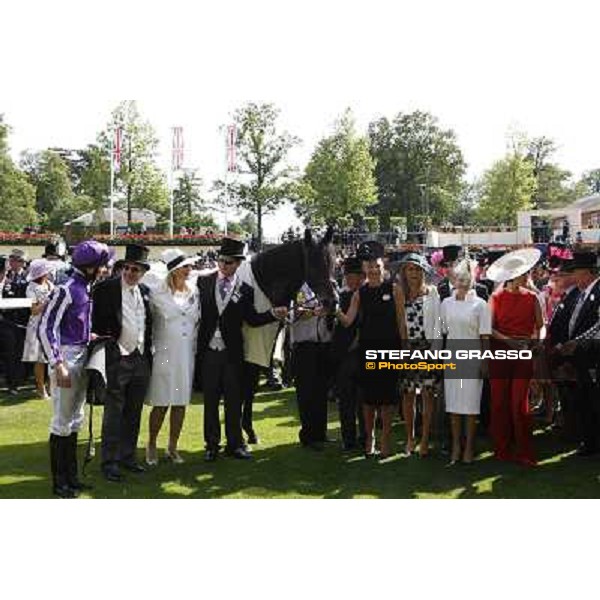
x,y
459,360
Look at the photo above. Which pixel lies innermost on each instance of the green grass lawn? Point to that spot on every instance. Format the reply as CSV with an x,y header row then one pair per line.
x,y
282,469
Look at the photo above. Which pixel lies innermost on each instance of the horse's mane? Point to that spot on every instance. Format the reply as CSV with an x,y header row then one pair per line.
x,y
271,270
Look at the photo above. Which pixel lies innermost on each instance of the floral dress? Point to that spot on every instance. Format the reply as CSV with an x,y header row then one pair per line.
x,y
415,329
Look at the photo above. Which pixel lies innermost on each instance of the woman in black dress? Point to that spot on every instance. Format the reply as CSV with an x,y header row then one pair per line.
x,y
380,311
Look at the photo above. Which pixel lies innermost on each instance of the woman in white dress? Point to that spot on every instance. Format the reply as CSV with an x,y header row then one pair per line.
x,y
38,290
465,316
175,317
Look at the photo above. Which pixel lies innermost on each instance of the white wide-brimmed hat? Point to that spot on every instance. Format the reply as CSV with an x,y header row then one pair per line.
x,y
38,268
513,264
174,258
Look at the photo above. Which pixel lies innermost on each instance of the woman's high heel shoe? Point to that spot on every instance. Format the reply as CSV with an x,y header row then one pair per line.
x,y
409,449
174,457
370,451
151,457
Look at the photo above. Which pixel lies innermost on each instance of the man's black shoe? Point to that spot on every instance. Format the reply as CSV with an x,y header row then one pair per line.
x,y
239,453
112,473
210,455
586,450
134,467
253,438
64,491
316,446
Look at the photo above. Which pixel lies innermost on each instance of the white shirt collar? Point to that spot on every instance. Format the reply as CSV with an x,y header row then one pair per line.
x,y
128,288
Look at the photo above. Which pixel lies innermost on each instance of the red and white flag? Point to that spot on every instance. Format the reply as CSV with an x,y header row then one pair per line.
x,y
231,149
117,144
177,151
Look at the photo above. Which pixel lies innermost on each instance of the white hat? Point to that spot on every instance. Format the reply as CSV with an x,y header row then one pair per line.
x,y
174,258
513,264
38,268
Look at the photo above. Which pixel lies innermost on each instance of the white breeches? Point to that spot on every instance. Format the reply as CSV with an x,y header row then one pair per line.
x,y
68,403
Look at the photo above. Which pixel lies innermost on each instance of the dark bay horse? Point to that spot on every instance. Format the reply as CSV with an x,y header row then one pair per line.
x,y
281,271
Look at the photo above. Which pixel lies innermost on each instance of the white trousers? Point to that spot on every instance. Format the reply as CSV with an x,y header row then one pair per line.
x,y
68,403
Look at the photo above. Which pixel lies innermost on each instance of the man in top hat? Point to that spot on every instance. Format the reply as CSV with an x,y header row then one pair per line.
x,y
557,334
584,324
121,315
225,304
347,360
14,320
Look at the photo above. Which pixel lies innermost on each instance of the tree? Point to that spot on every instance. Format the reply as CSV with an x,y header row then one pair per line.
x,y
266,180
187,198
49,173
248,224
552,182
69,209
17,195
465,212
139,183
89,172
589,183
419,167
339,177
507,187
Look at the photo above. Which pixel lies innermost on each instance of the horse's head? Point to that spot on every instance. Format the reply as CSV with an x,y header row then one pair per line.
x,y
320,261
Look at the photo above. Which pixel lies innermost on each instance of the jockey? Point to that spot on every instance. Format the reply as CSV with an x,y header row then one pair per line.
x,y
64,332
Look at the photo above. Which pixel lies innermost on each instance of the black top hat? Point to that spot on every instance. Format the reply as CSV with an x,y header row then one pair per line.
x,y
416,259
352,265
450,253
232,248
493,255
581,260
371,250
52,249
137,254
481,258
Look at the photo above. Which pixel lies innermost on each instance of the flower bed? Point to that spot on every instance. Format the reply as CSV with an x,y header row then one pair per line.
x,y
155,239
147,239
26,239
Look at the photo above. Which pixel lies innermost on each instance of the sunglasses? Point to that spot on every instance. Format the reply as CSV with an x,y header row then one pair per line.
x,y
227,261
132,268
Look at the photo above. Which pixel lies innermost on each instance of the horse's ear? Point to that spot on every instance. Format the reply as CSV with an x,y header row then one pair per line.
x,y
307,237
328,236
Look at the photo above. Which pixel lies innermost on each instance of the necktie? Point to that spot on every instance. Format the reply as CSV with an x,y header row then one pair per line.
x,y
576,312
224,287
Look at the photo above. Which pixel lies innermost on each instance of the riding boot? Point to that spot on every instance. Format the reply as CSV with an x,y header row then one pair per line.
x,y
58,464
73,477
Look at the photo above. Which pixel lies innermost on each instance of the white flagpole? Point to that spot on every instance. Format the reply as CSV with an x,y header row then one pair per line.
x,y
112,183
228,198
170,185
228,159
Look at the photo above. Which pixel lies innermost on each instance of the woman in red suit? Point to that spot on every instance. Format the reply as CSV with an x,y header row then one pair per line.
x,y
516,320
